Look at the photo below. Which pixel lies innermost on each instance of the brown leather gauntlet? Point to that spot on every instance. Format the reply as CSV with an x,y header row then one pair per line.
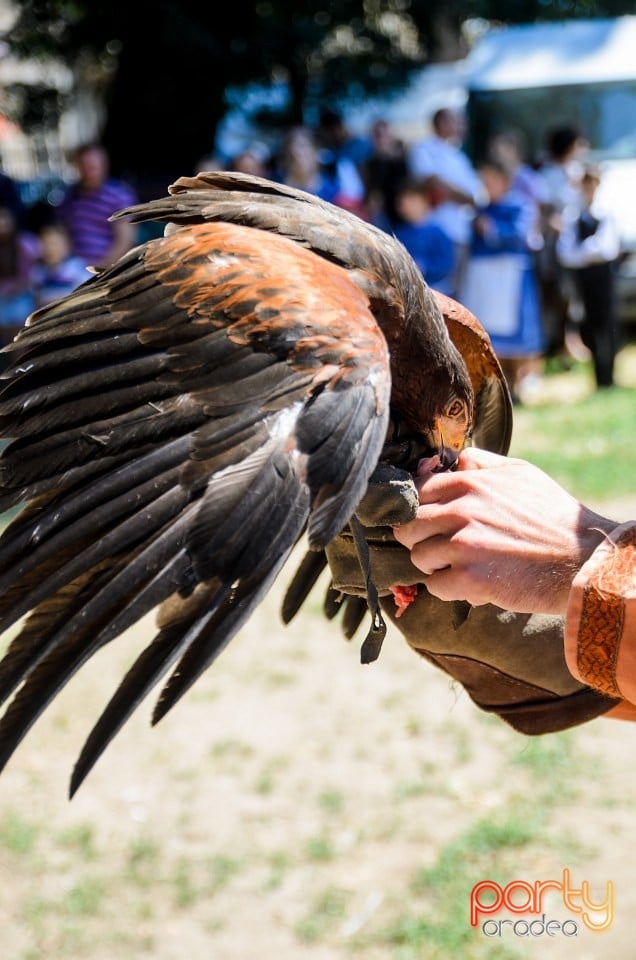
x,y
510,664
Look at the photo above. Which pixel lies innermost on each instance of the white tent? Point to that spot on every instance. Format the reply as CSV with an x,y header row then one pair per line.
x,y
554,54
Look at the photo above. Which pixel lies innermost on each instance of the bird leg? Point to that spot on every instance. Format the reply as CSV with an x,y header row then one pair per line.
x,y
372,644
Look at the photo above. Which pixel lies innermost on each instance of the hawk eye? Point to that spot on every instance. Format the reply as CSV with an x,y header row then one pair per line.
x,y
455,409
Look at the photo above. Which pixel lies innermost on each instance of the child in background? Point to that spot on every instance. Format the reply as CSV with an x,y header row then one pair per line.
x,y
57,270
500,285
429,245
18,252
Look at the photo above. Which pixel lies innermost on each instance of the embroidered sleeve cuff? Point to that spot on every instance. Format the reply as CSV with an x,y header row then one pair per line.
x,y
600,629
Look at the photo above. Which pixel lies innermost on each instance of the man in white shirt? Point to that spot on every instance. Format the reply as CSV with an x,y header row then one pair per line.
x,y
439,156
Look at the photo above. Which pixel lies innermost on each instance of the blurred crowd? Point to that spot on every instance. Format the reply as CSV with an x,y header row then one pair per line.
x,y
47,251
520,241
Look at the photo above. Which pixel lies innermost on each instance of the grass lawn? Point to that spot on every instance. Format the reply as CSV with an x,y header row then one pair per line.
x,y
583,437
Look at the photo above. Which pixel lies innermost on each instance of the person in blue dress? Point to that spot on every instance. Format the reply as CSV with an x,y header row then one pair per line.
x,y
500,286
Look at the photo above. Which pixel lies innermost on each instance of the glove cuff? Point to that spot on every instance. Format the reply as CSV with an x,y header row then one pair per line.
x,y
510,664
525,707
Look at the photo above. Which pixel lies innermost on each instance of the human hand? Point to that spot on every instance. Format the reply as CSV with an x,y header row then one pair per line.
x,y
499,530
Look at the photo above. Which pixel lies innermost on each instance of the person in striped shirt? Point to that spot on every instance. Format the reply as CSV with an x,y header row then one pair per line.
x,y
89,202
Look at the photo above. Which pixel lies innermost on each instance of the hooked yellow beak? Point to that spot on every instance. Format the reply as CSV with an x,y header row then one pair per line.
x,y
451,437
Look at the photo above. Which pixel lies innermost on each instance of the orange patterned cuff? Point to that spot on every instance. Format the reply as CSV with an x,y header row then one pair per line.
x,y
600,630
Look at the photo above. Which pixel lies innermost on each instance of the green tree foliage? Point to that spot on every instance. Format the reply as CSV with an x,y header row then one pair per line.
x,y
163,67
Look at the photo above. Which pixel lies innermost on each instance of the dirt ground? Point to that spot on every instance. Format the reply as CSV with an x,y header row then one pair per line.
x,y
293,806
285,807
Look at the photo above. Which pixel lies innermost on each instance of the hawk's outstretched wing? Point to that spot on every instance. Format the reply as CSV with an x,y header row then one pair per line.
x,y
178,422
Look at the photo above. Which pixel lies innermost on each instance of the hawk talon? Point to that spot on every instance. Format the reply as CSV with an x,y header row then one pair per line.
x,y
372,645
